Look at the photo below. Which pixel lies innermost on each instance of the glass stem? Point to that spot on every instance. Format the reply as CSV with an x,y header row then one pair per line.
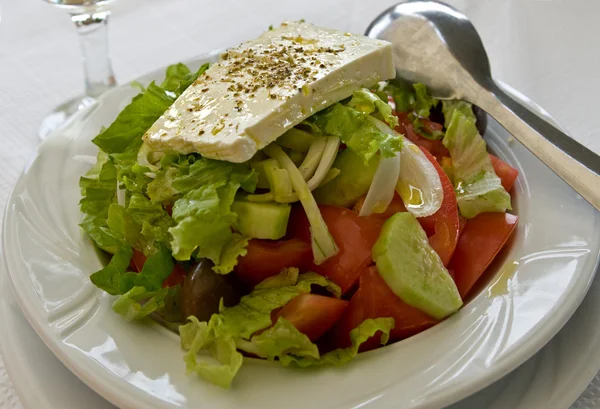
x,y
93,36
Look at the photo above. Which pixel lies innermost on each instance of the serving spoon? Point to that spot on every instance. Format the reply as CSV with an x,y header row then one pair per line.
x,y
438,46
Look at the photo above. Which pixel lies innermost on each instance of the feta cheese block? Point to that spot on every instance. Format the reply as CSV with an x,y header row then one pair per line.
x,y
263,87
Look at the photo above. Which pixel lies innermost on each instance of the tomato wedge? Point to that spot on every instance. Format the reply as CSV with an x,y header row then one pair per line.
x,y
443,226
482,238
137,261
505,172
266,258
354,235
312,314
374,299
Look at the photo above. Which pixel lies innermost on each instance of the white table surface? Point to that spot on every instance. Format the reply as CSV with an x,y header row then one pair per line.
x,y
547,49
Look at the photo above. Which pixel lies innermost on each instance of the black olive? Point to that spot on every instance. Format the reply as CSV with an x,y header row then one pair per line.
x,y
203,289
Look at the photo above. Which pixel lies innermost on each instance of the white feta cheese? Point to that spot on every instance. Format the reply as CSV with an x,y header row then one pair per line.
x,y
263,87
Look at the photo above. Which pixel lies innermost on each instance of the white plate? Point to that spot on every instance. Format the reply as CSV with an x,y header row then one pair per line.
x,y
132,365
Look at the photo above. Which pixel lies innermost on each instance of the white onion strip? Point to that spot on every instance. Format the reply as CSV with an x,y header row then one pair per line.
x,y
417,171
381,191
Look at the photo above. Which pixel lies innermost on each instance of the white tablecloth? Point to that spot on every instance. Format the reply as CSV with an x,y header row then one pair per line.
x,y
548,49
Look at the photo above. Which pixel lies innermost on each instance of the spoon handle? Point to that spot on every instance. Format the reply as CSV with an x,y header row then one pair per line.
x,y
571,161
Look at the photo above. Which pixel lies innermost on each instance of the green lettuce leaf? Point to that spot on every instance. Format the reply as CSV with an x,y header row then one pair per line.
x,y
356,131
341,356
235,248
143,225
99,190
138,302
225,360
109,278
134,120
287,276
116,280
203,215
423,101
478,188
367,102
174,76
154,222
280,340
449,106
181,174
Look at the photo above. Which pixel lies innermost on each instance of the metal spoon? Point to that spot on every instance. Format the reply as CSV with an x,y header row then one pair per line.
x,y
437,45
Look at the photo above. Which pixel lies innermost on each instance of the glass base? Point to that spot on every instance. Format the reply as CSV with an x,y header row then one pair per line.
x,y
62,114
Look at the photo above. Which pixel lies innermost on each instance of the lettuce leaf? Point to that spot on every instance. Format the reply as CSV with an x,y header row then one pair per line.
x,y
181,174
225,360
280,340
138,302
449,106
367,102
235,248
203,215
478,188
99,190
134,120
116,280
109,278
341,356
423,101
353,129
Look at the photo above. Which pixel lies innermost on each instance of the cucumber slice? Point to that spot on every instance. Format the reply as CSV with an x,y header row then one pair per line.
x,y
412,269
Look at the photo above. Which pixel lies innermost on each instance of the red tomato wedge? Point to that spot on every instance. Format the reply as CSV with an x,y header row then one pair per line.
x,y
482,238
443,226
354,235
266,258
176,277
374,299
312,314
505,172
137,261
405,127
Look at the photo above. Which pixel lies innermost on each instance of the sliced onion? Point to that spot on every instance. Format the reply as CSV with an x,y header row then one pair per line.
x,y
381,191
313,158
329,154
418,177
419,184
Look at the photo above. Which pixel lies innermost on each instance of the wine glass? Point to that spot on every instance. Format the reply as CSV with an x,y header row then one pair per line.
x,y
90,18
